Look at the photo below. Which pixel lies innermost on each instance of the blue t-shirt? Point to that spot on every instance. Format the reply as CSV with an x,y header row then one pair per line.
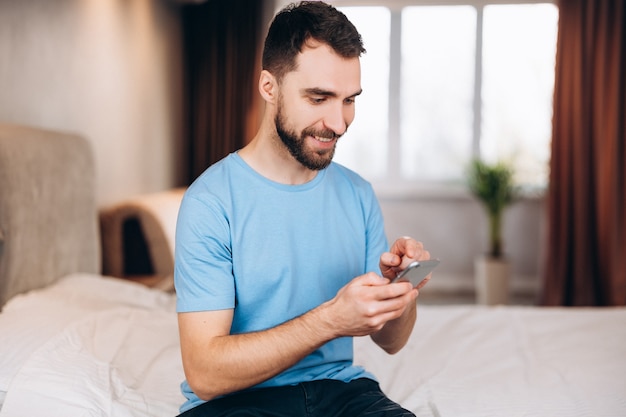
x,y
272,252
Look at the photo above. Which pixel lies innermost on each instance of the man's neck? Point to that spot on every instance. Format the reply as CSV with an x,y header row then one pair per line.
x,y
268,156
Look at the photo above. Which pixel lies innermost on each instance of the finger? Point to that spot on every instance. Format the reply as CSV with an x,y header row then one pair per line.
x,y
398,304
394,291
371,279
407,246
414,249
424,256
390,258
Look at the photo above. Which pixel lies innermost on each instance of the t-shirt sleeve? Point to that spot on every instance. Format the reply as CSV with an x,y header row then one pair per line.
x,y
203,260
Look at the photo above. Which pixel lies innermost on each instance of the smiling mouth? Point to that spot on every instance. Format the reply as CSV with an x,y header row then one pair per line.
x,y
324,139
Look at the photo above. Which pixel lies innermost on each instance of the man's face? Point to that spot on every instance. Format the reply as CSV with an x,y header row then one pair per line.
x,y
315,105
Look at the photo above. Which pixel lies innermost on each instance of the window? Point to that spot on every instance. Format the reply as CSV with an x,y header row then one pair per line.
x,y
445,83
436,98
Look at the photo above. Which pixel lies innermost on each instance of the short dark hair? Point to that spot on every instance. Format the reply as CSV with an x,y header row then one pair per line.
x,y
297,23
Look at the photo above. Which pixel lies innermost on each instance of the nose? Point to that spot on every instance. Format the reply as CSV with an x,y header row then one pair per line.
x,y
338,118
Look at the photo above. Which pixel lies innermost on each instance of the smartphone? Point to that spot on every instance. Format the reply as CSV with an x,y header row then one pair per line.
x,y
417,271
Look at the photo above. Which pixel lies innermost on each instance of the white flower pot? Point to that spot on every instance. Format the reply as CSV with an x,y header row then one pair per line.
x,y
492,280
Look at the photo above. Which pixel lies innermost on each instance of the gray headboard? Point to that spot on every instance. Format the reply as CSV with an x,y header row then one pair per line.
x,y
48,214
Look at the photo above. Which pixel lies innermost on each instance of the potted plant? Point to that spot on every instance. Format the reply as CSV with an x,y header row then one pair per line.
x,y
493,186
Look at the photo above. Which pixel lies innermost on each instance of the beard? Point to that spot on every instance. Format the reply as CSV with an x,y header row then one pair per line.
x,y
315,160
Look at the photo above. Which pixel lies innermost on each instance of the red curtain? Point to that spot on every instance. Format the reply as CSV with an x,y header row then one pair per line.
x,y
222,47
586,256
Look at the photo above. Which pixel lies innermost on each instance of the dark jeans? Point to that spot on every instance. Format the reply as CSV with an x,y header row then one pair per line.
x,y
325,398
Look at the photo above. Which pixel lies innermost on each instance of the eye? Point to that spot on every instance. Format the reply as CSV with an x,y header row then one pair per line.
x,y
350,100
317,100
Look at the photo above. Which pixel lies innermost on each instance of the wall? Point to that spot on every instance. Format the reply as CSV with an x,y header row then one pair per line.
x,y
108,70
111,71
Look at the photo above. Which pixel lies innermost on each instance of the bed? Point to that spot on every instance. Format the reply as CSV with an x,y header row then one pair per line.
x,y
75,342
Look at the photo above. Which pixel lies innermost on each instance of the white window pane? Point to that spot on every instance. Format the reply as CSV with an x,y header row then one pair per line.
x,y
519,44
438,58
364,147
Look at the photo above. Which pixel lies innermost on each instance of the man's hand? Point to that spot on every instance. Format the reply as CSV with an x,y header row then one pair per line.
x,y
403,251
395,333
366,304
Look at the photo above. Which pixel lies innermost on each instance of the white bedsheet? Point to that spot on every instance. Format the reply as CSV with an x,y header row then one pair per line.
x,y
90,346
96,346
469,361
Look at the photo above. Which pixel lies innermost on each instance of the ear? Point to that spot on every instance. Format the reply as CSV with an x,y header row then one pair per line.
x,y
268,86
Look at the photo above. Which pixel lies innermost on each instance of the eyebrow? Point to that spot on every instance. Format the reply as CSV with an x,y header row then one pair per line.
x,y
326,93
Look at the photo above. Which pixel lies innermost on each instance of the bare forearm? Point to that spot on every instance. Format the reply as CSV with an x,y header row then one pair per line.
x,y
234,362
395,334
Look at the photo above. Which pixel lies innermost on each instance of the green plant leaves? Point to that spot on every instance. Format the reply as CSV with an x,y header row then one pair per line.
x,y
493,185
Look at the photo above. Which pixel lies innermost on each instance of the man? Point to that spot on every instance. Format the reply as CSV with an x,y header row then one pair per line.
x,y
281,256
